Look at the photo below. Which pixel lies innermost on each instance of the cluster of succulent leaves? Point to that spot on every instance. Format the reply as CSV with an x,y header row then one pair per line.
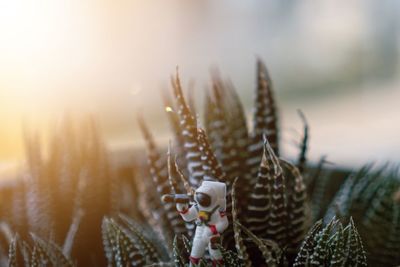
x,y
79,205
61,197
332,245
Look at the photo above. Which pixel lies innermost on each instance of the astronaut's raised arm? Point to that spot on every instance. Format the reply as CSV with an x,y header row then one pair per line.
x,y
188,214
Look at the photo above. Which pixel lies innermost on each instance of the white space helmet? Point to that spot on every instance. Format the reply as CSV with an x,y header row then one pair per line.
x,y
217,192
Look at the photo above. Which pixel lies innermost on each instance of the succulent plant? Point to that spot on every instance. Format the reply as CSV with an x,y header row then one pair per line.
x,y
70,207
276,200
64,196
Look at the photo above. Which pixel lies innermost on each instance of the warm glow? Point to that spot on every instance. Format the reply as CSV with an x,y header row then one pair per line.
x,y
79,57
112,58
52,55
30,45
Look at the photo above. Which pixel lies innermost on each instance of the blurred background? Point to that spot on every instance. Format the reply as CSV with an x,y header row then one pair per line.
x,y
336,61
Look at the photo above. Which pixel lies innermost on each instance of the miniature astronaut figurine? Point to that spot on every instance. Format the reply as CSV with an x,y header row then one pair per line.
x,y
211,221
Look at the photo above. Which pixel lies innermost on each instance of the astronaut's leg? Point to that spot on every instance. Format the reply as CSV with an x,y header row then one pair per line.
x,y
215,252
199,246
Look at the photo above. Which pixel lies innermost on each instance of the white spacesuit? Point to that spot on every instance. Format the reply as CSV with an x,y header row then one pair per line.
x,y
211,221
